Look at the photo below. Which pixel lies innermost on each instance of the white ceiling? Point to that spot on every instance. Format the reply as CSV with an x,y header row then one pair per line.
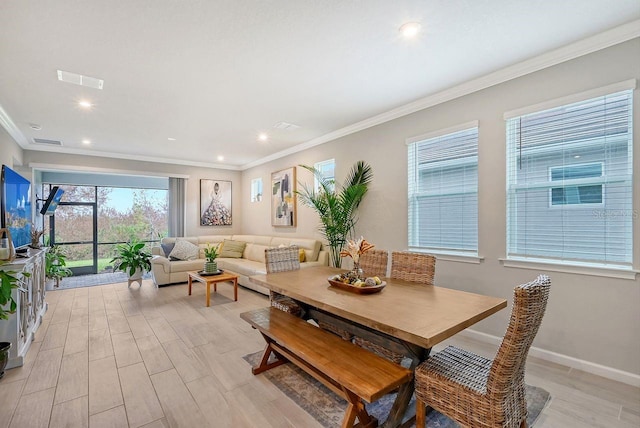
x,y
214,74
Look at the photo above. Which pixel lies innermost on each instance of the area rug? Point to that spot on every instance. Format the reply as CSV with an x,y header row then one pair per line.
x,y
328,408
97,279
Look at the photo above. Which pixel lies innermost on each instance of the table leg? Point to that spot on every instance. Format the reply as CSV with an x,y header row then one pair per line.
x,y
189,285
208,293
215,286
235,289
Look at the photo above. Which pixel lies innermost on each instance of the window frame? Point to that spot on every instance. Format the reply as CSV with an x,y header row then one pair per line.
x,y
592,181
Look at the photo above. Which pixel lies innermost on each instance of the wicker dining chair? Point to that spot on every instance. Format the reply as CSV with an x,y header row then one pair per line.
x,y
414,267
374,263
281,260
479,392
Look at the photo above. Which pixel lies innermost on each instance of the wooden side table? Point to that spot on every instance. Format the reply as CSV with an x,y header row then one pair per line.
x,y
214,279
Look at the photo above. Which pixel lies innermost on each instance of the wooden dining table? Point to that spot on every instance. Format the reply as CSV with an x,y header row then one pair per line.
x,y
405,317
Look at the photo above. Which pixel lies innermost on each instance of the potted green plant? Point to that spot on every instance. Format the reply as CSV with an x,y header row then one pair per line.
x,y
210,255
336,205
56,265
132,259
8,281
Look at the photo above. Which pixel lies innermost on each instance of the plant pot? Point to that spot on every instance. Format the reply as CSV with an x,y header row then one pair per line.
x,y
136,275
4,356
210,267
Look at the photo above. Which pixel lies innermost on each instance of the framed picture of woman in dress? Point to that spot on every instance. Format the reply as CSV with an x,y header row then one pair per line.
x,y
215,203
283,197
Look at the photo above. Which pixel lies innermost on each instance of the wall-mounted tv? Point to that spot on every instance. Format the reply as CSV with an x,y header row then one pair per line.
x,y
52,201
15,206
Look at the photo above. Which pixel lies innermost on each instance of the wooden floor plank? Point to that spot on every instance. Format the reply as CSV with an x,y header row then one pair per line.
x,y
104,385
74,413
34,410
9,397
100,345
125,349
73,381
44,374
140,399
155,358
179,407
112,418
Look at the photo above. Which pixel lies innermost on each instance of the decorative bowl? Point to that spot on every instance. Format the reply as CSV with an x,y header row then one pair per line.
x,y
369,289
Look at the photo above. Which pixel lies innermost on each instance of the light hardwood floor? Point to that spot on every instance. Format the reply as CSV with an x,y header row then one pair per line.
x,y
109,356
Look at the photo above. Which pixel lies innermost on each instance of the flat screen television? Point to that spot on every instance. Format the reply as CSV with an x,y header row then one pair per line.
x,y
52,201
15,206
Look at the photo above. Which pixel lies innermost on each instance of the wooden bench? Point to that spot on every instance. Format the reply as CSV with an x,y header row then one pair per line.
x,y
346,369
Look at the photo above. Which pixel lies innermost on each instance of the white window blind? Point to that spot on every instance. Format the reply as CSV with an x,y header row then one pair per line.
x,y
443,193
569,183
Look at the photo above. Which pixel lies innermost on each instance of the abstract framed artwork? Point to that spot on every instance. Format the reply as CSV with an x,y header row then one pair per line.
x,y
215,203
283,198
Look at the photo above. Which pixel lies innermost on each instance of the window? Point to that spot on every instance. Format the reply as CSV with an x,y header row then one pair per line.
x,y
569,183
256,190
443,191
576,195
327,169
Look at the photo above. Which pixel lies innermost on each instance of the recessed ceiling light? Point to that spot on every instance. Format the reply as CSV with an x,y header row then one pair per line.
x,y
220,158
86,142
171,139
263,137
410,29
85,104
35,126
576,157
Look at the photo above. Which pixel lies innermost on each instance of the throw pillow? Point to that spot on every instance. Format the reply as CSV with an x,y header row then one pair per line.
x,y
232,249
185,250
303,256
167,248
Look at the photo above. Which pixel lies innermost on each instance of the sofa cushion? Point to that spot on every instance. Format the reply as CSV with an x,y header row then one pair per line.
x,y
232,249
254,252
185,250
186,265
167,248
242,266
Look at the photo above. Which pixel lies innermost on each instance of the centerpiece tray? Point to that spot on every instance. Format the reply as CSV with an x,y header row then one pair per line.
x,y
358,290
203,273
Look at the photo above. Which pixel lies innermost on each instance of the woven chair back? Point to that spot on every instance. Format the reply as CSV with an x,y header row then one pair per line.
x,y
414,267
282,259
529,304
374,262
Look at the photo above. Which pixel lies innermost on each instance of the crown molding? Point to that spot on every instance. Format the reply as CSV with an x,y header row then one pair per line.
x,y
583,47
141,158
12,129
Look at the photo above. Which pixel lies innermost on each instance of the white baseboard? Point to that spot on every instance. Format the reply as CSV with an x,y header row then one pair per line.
x,y
576,363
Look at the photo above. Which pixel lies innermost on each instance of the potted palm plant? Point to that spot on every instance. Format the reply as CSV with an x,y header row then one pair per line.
x,y
56,265
132,259
210,254
336,205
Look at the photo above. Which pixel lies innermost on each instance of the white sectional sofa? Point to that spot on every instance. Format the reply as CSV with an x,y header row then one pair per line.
x,y
166,272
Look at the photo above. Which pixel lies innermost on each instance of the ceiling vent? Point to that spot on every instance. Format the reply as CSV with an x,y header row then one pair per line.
x,y
286,126
79,79
47,142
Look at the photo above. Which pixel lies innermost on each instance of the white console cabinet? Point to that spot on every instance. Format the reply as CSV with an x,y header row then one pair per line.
x,y
30,298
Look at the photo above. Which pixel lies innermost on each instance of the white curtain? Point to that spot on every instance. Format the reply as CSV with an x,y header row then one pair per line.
x,y
177,204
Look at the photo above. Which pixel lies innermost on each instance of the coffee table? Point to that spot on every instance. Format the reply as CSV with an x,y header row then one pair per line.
x,y
214,279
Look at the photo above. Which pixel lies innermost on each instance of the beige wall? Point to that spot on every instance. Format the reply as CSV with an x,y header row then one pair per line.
x,y
590,318
140,168
10,151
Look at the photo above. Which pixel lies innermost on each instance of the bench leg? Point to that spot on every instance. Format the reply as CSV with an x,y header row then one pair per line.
x,y
356,408
264,361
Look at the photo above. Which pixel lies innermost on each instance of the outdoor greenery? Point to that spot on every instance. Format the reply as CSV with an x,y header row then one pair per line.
x,y
131,257
336,205
56,264
145,219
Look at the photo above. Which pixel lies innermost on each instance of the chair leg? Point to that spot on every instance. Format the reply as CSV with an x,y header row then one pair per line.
x,y
421,410
523,424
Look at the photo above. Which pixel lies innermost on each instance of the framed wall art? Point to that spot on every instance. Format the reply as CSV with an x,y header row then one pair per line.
x,y
283,198
215,203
